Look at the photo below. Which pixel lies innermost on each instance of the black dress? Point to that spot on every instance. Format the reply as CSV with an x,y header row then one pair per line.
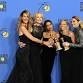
x,y
48,57
66,62
35,55
78,56
22,72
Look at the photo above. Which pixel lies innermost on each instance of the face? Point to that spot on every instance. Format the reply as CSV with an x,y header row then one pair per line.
x,y
25,18
75,23
49,26
63,25
38,18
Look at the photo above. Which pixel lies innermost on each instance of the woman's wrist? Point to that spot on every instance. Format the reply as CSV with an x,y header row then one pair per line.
x,y
43,42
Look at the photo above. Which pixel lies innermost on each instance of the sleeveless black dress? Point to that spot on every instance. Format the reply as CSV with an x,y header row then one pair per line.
x,y
66,62
22,72
48,57
35,55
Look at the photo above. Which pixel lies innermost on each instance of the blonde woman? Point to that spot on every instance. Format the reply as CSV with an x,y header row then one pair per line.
x,y
66,53
22,72
35,52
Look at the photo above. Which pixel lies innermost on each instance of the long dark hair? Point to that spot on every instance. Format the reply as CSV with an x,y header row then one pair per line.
x,y
45,22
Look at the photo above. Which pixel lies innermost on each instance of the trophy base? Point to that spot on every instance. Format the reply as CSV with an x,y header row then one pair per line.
x,y
66,49
58,49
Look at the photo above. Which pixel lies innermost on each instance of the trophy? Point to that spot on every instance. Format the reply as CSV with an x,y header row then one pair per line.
x,y
57,44
65,47
51,41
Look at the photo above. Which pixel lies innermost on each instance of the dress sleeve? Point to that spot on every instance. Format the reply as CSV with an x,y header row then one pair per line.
x,y
76,45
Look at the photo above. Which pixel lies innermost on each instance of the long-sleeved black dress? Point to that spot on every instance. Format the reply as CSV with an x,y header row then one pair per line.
x,y
78,56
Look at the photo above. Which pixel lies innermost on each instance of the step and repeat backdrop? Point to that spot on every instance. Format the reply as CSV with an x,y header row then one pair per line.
x,y
10,10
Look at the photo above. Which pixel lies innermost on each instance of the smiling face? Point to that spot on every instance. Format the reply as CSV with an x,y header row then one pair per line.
x,y
75,23
64,25
49,26
25,18
38,18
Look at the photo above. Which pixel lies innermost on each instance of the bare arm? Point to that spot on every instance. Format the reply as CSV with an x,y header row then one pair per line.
x,y
28,35
34,39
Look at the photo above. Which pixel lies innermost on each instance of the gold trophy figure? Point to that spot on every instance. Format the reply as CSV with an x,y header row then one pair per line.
x,y
65,47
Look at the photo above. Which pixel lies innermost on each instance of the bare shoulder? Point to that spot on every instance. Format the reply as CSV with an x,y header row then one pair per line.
x,y
46,35
20,30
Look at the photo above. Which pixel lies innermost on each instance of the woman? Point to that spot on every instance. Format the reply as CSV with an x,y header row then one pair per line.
x,y
48,53
36,49
66,53
22,72
79,51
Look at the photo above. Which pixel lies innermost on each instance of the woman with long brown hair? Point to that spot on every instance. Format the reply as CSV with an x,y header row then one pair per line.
x,y
23,72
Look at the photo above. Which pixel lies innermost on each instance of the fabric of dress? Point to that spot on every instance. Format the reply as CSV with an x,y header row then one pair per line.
x,y
48,57
22,72
35,54
66,62
77,58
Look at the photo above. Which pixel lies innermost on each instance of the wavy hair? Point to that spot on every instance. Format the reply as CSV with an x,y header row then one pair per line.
x,y
30,21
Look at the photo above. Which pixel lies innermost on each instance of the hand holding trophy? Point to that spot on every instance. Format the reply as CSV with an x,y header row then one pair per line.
x,y
65,44
51,41
57,44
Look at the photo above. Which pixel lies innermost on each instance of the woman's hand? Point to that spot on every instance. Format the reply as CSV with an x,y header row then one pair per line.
x,y
57,45
47,43
21,44
66,44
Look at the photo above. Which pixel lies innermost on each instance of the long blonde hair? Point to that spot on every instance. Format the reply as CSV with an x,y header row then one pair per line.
x,y
35,15
81,25
30,21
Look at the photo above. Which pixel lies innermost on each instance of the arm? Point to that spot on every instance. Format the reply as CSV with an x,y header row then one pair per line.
x,y
80,44
21,44
73,45
72,37
76,45
34,39
28,35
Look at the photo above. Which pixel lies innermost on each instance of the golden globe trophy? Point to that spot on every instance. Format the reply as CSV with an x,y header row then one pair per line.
x,y
65,47
57,44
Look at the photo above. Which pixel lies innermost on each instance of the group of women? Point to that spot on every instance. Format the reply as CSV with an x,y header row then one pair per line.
x,y
38,43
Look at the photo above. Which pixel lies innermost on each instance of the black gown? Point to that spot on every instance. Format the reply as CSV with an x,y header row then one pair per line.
x,y
48,57
35,55
66,62
22,72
